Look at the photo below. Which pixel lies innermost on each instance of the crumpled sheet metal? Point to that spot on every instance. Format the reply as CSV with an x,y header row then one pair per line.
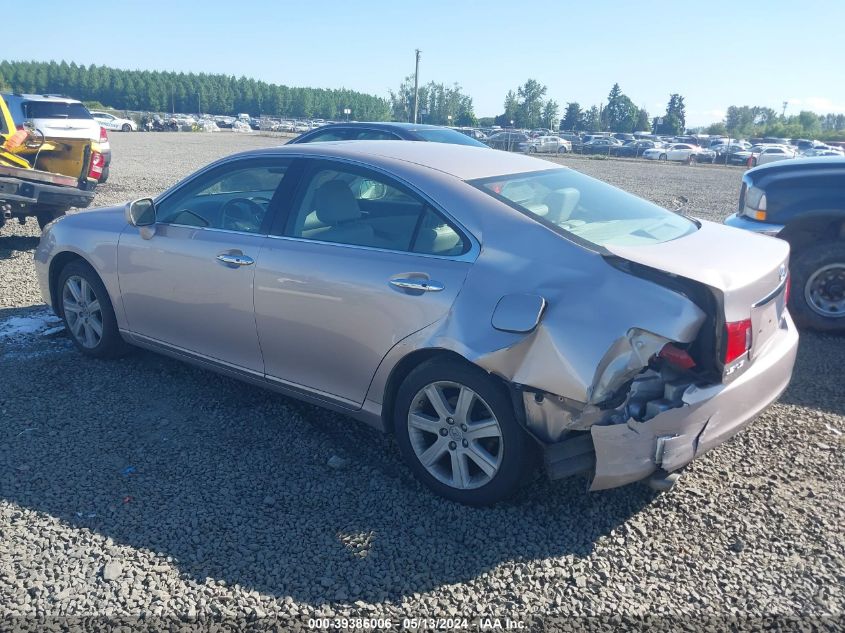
x,y
591,308
629,452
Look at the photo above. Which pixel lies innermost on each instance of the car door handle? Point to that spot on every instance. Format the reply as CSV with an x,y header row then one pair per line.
x,y
236,260
415,283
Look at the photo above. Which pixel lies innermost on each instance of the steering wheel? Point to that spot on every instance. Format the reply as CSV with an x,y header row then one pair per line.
x,y
242,214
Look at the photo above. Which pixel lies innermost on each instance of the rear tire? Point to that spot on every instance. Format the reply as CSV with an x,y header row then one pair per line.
x,y
105,175
663,157
87,312
476,454
818,287
561,150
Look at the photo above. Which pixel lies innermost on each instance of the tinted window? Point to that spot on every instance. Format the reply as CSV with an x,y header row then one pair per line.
x,y
447,136
357,207
374,135
233,197
54,110
587,208
328,135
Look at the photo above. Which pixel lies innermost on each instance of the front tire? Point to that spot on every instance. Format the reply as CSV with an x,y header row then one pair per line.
x,y
126,128
663,157
88,313
561,150
817,300
457,431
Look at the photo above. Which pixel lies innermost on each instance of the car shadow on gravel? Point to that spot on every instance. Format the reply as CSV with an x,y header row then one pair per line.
x,y
233,483
12,244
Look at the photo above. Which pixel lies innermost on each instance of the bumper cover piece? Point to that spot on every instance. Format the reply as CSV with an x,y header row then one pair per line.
x,y
631,451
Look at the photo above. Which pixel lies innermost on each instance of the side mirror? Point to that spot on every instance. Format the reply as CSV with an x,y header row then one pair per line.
x,y
141,213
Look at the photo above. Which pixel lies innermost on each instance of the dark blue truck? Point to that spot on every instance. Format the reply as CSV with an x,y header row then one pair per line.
x,y
802,201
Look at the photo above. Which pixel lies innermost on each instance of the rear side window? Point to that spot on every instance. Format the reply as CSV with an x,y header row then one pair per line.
x,y
329,135
374,135
54,110
447,136
347,205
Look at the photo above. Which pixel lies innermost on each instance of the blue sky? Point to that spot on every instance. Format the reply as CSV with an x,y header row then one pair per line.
x,y
715,53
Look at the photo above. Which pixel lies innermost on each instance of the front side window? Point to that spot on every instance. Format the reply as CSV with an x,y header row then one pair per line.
x,y
346,205
587,209
232,197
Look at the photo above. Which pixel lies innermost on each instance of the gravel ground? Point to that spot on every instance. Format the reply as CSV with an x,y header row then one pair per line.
x,y
147,487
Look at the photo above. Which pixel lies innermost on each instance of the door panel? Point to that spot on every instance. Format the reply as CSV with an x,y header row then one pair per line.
x,y
176,290
327,314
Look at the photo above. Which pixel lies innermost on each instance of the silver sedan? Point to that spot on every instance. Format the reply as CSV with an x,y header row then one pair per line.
x,y
494,311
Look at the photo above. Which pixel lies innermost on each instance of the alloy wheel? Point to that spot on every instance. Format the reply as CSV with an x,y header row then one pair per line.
x,y
455,435
82,311
825,291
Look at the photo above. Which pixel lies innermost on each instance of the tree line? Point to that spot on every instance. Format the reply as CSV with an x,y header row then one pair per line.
x,y
155,91
759,121
439,103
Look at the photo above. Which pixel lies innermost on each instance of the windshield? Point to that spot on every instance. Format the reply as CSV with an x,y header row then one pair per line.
x,y
448,136
587,208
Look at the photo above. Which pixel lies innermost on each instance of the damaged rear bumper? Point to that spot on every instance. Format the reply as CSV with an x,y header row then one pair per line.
x,y
631,451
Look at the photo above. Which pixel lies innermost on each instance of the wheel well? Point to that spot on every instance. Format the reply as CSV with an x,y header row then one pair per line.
x,y
57,264
405,367
801,233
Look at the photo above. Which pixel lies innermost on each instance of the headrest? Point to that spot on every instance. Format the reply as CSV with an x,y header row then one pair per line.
x,y
334,203
562,203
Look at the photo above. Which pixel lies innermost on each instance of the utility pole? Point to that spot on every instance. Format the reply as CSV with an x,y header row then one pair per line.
x,y
416,85
783,113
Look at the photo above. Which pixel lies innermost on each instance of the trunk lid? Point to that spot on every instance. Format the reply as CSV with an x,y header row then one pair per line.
x,y
746,271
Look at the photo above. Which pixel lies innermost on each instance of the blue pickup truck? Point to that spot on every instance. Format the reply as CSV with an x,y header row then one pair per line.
x,y
802,201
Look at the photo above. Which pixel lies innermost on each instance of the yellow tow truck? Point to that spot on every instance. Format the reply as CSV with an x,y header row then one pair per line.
x,y
43,178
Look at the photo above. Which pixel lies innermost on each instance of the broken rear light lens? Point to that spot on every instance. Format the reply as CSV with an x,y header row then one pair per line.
x,y
676,356
104,136
96,166
738,339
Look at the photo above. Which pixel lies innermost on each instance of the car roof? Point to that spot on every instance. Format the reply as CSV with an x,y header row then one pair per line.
x,y
465,162
55,98
385,125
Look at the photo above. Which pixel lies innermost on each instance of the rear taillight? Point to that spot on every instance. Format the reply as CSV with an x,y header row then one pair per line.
x,y
96,166
676,356
737,340
787,289
104,137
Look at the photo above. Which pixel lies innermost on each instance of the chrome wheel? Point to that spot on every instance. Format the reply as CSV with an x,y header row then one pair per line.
x,y
825,291
455,435
82,312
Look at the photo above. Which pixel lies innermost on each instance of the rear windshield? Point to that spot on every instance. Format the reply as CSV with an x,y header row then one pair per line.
x,y
587,208
448,136
54,110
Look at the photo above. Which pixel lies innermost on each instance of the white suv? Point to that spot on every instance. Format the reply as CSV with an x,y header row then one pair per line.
x,y
59,117
111,122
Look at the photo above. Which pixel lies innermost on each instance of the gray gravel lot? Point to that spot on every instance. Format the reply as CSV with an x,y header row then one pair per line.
x,y
145,486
